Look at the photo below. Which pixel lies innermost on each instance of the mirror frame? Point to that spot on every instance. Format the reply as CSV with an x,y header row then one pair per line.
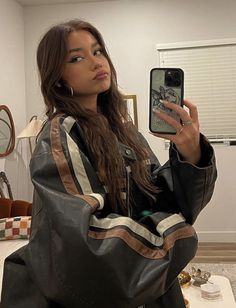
x,y
13,136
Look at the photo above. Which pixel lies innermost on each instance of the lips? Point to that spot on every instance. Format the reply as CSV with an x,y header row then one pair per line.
x,y
101,75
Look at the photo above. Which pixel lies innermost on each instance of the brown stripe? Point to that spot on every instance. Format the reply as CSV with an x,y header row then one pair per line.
x,y
140,247
62,164
90,200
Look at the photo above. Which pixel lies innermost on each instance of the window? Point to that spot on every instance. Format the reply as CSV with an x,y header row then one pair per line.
x,y
210,82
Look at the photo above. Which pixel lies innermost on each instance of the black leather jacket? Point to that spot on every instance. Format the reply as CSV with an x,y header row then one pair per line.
x,y
82,255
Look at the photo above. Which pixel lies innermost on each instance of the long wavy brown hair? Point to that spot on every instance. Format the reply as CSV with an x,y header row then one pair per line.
x,y
103,129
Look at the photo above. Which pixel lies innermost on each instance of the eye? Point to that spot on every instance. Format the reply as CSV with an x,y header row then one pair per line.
x,y
75,59
98,52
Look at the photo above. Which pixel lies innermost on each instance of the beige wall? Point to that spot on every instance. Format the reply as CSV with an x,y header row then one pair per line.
x,y
131,30
12,89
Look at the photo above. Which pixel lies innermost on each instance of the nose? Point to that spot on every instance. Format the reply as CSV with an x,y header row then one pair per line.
x,y
96,63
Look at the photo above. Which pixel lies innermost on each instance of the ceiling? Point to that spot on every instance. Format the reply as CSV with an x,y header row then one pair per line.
x,y
48,2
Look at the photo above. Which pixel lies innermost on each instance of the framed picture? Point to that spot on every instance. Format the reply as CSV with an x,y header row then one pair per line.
x,y
131,101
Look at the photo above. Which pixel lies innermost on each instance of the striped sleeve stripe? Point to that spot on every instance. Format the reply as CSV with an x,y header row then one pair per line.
x,y
109,223
76,159
68,123
62,164
169,222
139,247
78,166
77,163
99,198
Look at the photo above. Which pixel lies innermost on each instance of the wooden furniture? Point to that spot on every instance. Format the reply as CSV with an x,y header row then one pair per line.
x,y
13,208
4,181
7,131
10,207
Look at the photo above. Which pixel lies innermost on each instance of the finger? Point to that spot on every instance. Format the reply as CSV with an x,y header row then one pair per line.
x,y
168,119
192,110
183,114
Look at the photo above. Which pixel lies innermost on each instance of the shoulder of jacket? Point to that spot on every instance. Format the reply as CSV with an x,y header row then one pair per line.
x,y
54,129
62,122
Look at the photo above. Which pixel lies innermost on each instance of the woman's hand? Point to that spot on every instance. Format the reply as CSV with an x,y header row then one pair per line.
x,y
187,138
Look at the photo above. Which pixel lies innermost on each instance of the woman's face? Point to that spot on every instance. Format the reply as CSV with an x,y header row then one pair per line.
x,y
87,70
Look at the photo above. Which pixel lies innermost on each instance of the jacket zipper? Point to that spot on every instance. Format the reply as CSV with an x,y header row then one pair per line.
x,y
128,171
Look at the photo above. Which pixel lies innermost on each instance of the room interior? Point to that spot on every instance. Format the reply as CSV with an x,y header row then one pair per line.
x,y
131,29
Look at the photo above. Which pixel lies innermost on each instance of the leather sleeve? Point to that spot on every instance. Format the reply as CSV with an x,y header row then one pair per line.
x,y
78,260
193,186
185,187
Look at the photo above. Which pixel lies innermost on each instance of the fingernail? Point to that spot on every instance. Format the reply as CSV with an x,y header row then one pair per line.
x,y
156,110
163,101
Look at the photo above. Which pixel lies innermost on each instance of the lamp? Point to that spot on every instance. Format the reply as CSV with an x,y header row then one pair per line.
x,y
31,130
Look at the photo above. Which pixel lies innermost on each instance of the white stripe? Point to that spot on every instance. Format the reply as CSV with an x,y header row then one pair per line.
x,y
100,199
169,222
68,123
78,165
108,223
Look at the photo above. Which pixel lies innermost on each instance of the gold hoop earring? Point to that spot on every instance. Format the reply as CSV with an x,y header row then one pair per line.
x,y
71,91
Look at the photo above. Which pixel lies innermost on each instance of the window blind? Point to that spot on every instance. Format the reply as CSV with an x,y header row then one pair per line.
x,y
210,82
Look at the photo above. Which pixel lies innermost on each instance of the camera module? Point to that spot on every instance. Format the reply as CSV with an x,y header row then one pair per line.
x,y
172,78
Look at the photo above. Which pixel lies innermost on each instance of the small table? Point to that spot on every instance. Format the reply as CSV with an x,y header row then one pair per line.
x,y
193,294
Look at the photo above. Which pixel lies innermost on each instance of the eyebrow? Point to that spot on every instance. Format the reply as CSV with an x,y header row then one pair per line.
x,y
79,49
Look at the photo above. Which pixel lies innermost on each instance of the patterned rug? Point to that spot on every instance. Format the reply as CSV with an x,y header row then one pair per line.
x,y
224,269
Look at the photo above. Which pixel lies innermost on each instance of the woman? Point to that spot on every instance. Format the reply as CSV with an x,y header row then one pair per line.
x,y
111,227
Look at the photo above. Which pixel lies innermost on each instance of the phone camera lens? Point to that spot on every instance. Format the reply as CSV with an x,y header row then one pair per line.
x,y
168,79
176,75
176,82
172,78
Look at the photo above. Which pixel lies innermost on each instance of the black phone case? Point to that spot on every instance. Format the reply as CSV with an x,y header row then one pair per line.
x,y
159,90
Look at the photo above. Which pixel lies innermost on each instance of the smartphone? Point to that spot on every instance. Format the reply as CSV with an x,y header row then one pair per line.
x,y
165,84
